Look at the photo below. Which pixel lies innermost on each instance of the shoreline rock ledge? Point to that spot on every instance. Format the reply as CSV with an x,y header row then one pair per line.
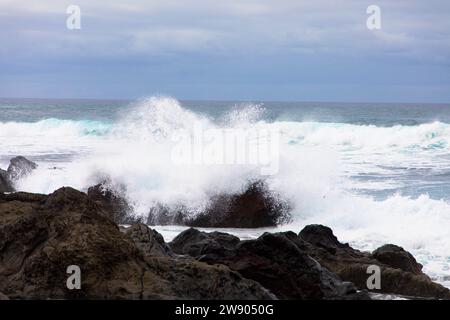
x,y
42,235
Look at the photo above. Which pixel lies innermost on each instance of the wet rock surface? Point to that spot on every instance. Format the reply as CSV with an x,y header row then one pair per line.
x,y
112,203
255,207
19,167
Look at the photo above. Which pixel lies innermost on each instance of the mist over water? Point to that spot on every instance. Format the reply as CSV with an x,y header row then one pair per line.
x,y
374,173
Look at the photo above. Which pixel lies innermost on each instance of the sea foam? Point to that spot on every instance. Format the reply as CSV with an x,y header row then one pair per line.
x,y
320,164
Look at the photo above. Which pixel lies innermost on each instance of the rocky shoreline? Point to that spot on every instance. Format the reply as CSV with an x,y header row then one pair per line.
x,y
41,235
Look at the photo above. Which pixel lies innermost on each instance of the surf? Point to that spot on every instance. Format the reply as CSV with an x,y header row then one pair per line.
x,y
331,172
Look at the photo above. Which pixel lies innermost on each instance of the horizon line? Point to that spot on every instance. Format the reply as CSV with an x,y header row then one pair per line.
x,y
224,100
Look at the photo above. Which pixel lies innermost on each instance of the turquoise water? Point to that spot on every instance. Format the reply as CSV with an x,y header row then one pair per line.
x,y
417,138
375,173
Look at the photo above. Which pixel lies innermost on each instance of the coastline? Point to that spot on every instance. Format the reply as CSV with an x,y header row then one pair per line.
x,y
43,234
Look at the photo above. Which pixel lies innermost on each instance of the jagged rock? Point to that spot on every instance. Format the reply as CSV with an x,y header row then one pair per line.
x,y
20,167
399,273
276,261
40,236
148,240
3,296
253,208
112,203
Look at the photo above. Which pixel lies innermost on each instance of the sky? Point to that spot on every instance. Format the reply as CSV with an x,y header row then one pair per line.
x,y
277,50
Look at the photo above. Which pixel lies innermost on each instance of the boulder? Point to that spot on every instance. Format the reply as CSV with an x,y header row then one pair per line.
x,y
396,257
197,244
321,237
42,235
20,167
255,207
400,273
277,261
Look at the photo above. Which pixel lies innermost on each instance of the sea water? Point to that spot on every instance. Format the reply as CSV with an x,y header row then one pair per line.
x,y
374,173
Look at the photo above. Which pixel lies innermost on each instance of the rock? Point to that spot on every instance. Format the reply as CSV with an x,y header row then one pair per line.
x,y
3,296
20,167
148,240
197,244
322,237
276,261
396,257
40,236
253,208
190,279
112,203
399,273
5,182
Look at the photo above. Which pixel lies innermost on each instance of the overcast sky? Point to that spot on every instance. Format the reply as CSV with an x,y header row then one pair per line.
x,y
227,50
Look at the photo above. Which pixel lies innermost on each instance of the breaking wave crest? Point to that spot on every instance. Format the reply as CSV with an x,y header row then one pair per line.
x,y
318,163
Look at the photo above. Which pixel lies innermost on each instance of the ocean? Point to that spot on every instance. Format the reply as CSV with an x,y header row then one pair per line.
x,y
374,173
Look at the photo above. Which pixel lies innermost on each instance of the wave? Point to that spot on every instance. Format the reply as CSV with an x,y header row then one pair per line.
x,y
164,115
435,135
317,163
53,127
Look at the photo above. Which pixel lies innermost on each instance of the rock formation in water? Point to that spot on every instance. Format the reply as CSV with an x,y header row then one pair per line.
x,y
255,207
18,168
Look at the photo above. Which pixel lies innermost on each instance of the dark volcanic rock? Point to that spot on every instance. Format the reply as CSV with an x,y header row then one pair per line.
x,y
3,296
20,167
197,244
148,240
5,182
400,273
396,257
40,236
112,203
277,261
191,279
253,208
322,237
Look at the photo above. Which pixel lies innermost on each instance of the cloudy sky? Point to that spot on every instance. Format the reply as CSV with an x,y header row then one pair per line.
x,y
292,50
